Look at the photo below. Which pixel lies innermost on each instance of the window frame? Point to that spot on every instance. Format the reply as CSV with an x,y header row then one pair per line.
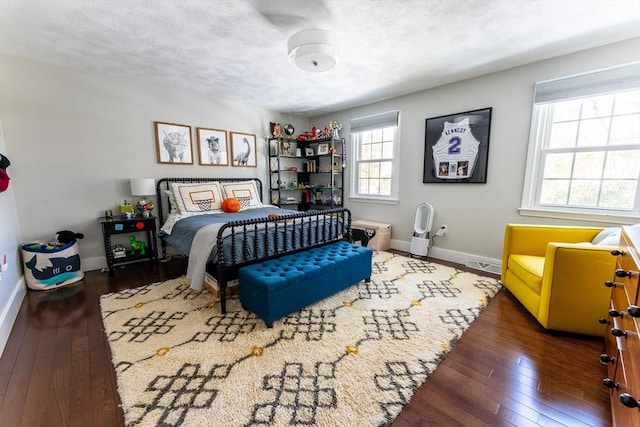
x,y
372,124
541,122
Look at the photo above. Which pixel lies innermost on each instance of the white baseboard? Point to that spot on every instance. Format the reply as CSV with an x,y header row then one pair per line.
x,y
9,314
487,264
99,263
96,263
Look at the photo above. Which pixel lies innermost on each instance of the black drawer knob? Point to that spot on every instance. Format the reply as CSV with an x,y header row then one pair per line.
x,y
633,310
618,332
617,252
605,358
623,273
603,321
610,284
609,383
629,401
615,313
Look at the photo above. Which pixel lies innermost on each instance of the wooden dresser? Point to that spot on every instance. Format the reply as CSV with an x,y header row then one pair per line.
x,y
622,343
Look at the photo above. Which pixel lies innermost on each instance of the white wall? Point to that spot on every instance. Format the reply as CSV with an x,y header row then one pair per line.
x,y
76,139
12,288
476,214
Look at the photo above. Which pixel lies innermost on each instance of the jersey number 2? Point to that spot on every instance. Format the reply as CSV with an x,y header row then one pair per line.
x,y
454,145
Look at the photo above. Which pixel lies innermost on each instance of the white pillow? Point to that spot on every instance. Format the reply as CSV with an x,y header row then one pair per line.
x,y
197,197
172,202
245,191
608,237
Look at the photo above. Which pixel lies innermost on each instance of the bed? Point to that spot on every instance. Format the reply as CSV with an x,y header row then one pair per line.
x,y
219,243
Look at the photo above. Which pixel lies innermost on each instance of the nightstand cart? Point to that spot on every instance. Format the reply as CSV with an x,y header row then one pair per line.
x,y
134,227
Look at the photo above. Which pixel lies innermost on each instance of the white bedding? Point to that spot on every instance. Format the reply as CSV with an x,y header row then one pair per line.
x,y
167,227
201,248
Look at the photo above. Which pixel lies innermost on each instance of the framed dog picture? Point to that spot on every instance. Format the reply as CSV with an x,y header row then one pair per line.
x,y
173,143
212,147
243,149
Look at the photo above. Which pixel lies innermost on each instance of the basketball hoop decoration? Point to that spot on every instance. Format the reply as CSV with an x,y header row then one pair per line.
x,y
204,204
245,201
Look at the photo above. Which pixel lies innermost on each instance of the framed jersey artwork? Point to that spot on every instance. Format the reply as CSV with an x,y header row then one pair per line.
x,y
456,147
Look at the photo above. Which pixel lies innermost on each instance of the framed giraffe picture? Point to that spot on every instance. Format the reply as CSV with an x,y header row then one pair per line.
x,y
243,150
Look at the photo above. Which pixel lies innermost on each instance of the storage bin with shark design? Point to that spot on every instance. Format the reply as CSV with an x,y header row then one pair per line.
x,y
48,266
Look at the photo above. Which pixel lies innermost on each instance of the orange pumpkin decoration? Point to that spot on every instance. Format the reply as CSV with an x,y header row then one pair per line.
x,y
231,205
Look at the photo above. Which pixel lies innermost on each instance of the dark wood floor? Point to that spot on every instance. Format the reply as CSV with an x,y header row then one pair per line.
x,y
505,370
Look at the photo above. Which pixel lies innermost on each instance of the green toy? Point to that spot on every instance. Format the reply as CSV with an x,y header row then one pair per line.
x,y
137,245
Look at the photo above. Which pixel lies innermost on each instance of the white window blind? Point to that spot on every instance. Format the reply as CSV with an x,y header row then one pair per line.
x,y
376,121
587,84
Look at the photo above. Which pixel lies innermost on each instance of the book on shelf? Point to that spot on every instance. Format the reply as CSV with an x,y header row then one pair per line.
x,y
310,166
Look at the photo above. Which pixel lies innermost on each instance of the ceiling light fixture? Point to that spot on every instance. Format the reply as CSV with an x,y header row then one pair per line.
x,y
313,50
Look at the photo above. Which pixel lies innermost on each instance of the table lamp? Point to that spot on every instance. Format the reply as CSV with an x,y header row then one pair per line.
x,y
143,187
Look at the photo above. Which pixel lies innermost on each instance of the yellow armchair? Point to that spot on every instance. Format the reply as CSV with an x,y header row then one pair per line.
x,y
558,275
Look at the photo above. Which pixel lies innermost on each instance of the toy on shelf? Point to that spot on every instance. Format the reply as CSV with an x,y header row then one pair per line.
x,y
137,246
119,251
335,127
126,207
144,208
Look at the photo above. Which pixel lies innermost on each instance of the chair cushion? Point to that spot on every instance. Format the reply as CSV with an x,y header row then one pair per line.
x,y
529,269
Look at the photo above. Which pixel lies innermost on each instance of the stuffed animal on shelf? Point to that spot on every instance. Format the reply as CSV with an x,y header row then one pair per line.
x,y
65,236
137,246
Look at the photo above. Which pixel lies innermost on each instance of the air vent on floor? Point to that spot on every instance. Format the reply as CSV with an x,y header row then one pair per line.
x,y
484,266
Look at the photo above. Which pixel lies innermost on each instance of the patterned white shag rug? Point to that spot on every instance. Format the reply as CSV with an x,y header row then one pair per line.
x,y
352,359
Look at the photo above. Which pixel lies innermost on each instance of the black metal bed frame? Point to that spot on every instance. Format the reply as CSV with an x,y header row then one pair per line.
x,y
298,231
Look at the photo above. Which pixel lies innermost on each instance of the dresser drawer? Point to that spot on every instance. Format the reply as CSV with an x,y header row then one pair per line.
x,y
624,332
611,356
622,416
627,377
628,263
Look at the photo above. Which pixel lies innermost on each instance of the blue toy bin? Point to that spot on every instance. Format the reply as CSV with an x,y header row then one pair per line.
x,y
48,267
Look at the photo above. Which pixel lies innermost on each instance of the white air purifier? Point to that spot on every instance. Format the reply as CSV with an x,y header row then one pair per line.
x,y
422,229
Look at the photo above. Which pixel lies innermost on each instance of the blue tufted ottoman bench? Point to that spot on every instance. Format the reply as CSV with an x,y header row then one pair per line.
x,y
280,286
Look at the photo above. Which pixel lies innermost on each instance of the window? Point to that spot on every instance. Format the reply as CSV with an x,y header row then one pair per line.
x,y
584,149
375,158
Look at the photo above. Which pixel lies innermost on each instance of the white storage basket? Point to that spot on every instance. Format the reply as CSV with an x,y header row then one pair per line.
x,y
48,267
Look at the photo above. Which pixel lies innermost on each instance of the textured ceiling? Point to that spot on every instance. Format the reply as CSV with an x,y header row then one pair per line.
x,y
236,50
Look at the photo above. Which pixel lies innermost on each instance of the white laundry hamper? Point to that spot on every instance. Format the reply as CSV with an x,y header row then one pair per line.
x,y
48,267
